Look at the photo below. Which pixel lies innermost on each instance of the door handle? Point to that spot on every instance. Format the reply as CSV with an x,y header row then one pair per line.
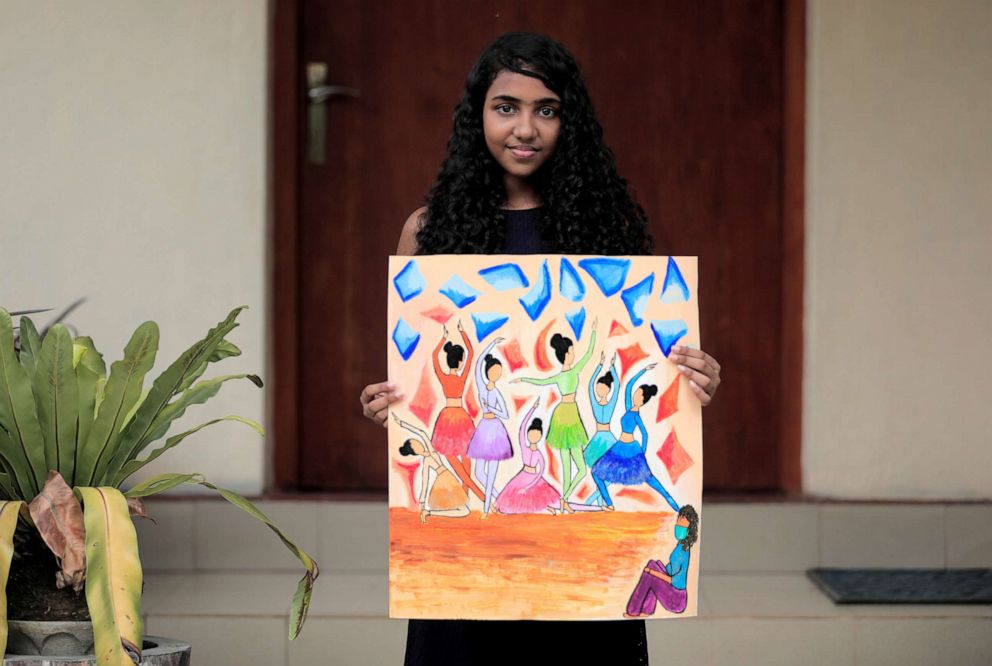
x,y
318,92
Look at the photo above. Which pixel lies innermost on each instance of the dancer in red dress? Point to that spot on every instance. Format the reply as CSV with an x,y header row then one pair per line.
x,y
454,427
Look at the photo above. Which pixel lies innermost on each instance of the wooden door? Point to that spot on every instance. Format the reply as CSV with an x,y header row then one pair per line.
x,y
701,103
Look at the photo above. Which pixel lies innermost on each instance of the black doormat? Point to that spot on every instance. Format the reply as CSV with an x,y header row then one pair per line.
x,y
904,586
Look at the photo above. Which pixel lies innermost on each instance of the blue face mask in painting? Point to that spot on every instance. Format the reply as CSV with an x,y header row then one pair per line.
x,y
680,532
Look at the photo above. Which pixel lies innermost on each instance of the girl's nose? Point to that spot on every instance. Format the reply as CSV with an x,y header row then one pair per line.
x,y
524,129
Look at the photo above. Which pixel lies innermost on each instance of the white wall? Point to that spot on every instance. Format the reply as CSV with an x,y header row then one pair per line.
x,y
132,171
899,249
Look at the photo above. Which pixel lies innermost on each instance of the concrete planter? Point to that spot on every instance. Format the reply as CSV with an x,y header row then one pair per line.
x,y
66,643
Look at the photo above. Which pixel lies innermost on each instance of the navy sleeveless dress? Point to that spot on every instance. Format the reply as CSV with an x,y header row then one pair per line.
x,y
525,642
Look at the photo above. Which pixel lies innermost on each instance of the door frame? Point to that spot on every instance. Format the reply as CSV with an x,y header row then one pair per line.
x,y
285,140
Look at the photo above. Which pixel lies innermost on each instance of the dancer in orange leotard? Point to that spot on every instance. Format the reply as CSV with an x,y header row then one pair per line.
x,y
454,427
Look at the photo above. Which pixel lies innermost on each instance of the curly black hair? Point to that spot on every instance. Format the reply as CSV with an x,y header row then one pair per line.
x,y
586,206
693,532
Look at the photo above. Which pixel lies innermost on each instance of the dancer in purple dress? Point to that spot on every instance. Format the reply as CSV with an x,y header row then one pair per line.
x,y
490,443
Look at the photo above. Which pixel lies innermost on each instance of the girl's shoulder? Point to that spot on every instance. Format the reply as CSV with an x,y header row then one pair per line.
x,y
408,235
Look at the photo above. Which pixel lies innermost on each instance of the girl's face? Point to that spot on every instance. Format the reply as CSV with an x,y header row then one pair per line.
x,y
521,121
534,436
638,397
495,372
569,356
418,447
601,391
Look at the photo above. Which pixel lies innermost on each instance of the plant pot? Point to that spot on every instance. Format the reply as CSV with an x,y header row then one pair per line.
x,y
42,637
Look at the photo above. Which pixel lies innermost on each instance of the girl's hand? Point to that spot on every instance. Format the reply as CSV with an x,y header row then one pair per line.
x,y
460,325
376,399
702,370
444,327
602,357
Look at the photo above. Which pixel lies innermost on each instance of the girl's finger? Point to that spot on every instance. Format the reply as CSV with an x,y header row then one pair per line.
x,y
695,375
689,352
704,397
382,417
692,361
383,400
370,391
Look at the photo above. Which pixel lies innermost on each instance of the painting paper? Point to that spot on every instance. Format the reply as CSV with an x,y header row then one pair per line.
x,y
521,375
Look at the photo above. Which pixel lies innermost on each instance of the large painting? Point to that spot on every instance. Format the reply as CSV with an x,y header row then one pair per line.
x,y
545,462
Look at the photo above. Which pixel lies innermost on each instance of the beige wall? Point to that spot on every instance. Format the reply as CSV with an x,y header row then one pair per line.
x,y
132,171
899,249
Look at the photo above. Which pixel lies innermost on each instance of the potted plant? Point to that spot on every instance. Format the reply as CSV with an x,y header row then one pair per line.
x,y
71,434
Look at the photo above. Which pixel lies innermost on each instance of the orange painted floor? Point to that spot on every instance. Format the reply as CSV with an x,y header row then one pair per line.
x,y
574,566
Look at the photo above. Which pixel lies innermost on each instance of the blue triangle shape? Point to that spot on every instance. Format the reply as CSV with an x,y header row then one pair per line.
x,y
667,332
576,319
674,288
636,299
486,323
459,292
609,274
505,276
405,338
409,282
539,296
569,283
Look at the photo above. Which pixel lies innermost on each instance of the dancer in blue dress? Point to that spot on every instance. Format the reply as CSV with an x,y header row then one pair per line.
x,y
603,394
625,463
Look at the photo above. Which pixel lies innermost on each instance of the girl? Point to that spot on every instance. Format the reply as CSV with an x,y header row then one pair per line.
x,y
625,462
490,442
667,582
566,432
528,492
603,398
453,428
524,136
446,496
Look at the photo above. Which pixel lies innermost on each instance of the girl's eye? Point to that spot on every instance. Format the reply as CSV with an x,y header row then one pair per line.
x,y
554,112
503,106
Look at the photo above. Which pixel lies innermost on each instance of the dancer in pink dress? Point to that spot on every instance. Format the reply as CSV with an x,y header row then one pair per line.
x,y
528,491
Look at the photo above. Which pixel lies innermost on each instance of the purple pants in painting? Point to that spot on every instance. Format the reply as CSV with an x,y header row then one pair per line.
x,y
651,589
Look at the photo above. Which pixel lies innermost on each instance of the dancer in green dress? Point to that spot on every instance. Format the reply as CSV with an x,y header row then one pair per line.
x,y
566,433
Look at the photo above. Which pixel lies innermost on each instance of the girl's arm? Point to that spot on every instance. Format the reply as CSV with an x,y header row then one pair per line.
x,y
424,437
437,363
628,396
525,422
423,483
592,387
615,393
499,409
468,348
585,357
644,432
480,379
537,381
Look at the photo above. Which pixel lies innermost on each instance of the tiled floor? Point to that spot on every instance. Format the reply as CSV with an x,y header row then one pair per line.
x,y
214,579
